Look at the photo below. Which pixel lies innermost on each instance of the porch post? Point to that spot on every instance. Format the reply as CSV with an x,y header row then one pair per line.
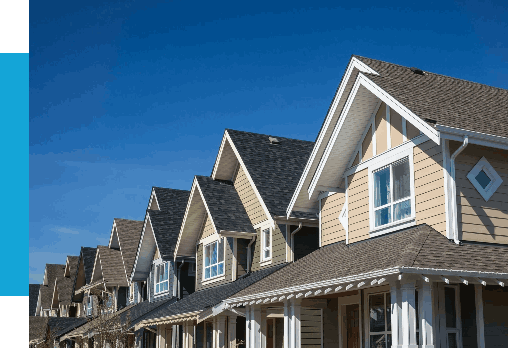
x,y
426,314
190,334
263,327
214,332
395,315
232,331
248,327
295,323
257,327
221,331
287,324
480,329
408,315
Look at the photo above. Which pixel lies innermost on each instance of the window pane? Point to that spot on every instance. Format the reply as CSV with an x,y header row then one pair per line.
x,y
207,273
451,320
382,187
207,255
389,341
221,268
377,341
165,271
383,216
483,179
388,315
213,253
267,238
401,187
377,313
267,254
214,271
452,340
157,288
402,210
221,250
165,286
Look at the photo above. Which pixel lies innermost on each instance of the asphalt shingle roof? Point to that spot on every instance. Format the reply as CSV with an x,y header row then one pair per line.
x,y
113,271
88,256
224,204
38,326
275,169
129,233
203,299
449,101
419,246
53,272
33,296
167,197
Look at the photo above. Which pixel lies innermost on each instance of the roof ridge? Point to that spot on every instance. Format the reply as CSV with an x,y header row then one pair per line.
x,y
268,135
169,188
430,230
433,73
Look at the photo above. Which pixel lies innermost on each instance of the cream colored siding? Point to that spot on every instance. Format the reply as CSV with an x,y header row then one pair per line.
x,y
429,186
228,264
396,128
248,197
358,206
208,230
278,248
331,228
411,131
367,145
311,327
381,130
480,220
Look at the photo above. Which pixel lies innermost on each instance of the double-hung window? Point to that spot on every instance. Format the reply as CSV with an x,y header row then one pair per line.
x,y
266,240
89,306
214,259
161,277
392,199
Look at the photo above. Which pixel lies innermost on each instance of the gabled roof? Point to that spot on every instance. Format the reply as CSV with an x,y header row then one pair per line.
x,y
38,326
128,232
62,292
87,256
167,198
53,271
224,205
446,100
109,267
275,169
416,247
33,297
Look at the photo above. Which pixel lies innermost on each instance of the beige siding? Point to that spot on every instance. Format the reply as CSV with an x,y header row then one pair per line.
x,y
429,186
228,264
381,130
208,229
367,145
358,206
395,128
278,248
248,197
411,131
311,328
479,220
331,229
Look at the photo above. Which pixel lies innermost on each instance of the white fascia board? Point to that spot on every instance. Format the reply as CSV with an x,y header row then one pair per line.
x,y
362,80
237,234
484,139
449,272
321,141
97,257
139,248
189,203
217,159
152,197
111,234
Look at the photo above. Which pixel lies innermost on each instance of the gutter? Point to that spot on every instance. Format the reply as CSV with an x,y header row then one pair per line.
x,y
453,216
293,241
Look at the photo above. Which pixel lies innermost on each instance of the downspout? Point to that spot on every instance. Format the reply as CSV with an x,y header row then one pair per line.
x,y
249,254
178,279
293,241
454,190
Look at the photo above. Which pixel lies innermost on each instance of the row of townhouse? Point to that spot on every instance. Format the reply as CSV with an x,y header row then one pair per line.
x,y
390,230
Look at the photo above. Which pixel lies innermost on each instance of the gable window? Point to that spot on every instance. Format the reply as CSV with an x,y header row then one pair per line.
x,y
484,178
214,259
161,277
266,241
392,199
89,306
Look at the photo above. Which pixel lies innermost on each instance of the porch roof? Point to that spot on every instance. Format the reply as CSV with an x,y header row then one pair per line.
x,y
419,249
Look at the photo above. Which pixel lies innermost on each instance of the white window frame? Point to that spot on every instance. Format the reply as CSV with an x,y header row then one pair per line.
x,y
494,184
263,243
211,265
458,325
377,165
158,263
89,306
386,294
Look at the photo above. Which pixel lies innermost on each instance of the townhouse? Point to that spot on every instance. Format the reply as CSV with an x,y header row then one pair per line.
x,y
52,272
409,176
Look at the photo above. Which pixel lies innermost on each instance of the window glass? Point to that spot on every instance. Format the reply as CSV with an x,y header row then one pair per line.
x,y
451,316
214,259
382,187
377,313
401,186
266,244
483,179
161,277
380,321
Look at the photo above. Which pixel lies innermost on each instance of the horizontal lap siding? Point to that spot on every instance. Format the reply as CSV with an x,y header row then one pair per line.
x,y
248,197
278,248
479,220
208,230
311,327
358,206
331,228
429,186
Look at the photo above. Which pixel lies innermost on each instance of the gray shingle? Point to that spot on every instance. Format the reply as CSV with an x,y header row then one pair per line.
x,y
113,271
53,272
224,204
129,233
419,246
166,197
33,296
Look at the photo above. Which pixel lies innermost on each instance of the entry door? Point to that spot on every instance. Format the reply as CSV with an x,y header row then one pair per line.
x,y
353,325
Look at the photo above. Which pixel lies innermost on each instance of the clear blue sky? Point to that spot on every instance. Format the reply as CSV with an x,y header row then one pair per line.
x,y
126,95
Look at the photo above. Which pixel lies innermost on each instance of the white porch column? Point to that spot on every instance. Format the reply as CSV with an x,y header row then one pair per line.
x,y
395,314
190,334
214,332
263,327
408,315
425,300
221,331
296,335
232,331
287,324
248,327
257,327
480,329
174,336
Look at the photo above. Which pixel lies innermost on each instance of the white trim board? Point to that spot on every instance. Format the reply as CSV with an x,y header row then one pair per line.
x,y
477,138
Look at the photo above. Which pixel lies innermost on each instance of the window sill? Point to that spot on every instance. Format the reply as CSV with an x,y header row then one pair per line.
x,y
393,226
213,280
160,293
265,262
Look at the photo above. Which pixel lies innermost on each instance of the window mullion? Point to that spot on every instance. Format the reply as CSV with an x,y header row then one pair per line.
x,y
391,193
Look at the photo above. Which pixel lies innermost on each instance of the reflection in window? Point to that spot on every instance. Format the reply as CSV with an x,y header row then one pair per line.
x,y
214,259
380,321
161,278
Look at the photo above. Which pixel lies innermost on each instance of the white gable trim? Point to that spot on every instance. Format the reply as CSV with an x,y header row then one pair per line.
x,y
189,202
152,197
354,63
97,257
216,164
207,209
477,138
362,80
139,247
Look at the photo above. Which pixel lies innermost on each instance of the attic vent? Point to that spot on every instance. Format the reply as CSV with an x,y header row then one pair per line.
x,y
274,141
417,71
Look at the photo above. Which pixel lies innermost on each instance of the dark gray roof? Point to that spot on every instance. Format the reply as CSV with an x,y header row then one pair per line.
x,y
167,197
203,299
275,169
88,256
64,325
447,100
38,326
53,272
33,296
166,223
129,233
420,246
224,204
113,271
64,286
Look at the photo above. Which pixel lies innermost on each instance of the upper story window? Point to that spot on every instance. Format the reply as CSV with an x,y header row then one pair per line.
x,y
214,259
89,305
266,242
392,200
161,277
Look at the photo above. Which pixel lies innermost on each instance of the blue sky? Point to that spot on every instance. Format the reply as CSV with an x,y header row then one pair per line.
x,y
126,95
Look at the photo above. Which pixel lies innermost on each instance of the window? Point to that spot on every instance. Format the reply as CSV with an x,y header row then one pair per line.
x,y
484,178
380,331
392,199
161,277
214,259
266,237
131,291
89,306
451,304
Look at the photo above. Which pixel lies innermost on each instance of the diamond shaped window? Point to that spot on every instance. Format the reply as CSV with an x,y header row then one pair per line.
x,y
484,178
